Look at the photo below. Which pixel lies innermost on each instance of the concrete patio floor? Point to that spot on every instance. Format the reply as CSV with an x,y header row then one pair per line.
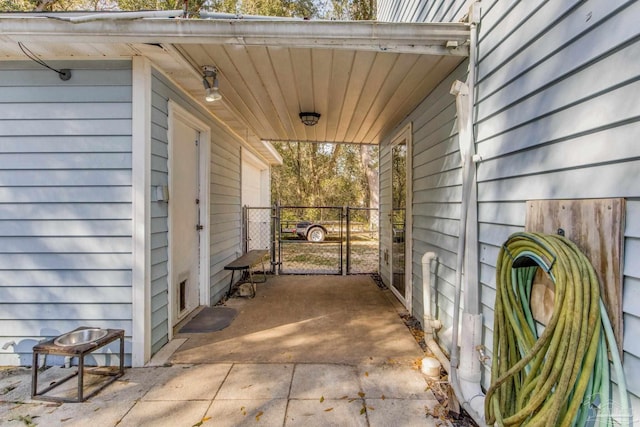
x,y
312,351
309,319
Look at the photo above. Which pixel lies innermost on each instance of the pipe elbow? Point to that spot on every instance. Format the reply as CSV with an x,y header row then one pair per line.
x,y
428,257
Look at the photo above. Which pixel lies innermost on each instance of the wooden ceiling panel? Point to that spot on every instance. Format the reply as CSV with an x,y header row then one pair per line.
x,y
341,67
441,67
303,82
374,80
261,102
390,89
284,70
261,59
360,70
322,62
236,89
356,92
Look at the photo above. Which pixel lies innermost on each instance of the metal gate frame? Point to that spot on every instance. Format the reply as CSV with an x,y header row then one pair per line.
x,y
277,237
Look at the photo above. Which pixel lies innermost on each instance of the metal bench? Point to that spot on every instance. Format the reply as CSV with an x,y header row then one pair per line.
x,y
245,263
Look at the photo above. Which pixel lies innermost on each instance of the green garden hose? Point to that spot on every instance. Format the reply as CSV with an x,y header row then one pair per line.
x,y
560,377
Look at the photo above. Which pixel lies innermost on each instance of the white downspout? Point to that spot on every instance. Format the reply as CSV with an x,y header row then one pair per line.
x,y
465,368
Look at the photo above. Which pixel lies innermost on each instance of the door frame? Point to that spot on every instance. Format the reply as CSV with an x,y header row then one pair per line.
x,y
177,112
406,135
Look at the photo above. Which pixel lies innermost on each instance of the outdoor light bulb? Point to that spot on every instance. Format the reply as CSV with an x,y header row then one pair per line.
x,y
212,94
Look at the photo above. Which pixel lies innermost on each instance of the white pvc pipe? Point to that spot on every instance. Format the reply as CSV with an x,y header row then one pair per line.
x,y
467,390
466,381
428,322
115,16
222,15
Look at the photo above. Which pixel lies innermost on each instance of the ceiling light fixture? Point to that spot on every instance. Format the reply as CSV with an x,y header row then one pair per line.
x,y
309,118
210,82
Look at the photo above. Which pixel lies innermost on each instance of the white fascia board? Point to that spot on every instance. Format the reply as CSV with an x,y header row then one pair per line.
x,y
419,38
274,153
251,159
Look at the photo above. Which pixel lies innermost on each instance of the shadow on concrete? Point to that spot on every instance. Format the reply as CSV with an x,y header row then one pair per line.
x,y
308,319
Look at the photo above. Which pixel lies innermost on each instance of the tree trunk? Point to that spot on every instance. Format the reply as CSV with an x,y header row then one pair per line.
x,y
42,4
372,183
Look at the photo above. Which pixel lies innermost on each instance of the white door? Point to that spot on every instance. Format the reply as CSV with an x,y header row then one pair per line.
x,y
184,219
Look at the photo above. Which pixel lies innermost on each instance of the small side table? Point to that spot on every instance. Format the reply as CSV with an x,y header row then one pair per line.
x,y
79,351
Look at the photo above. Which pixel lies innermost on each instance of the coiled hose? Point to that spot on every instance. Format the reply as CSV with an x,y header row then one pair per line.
x,y
560,377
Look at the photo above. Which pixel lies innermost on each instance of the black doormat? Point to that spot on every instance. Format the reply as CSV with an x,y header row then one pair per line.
x,y
210,319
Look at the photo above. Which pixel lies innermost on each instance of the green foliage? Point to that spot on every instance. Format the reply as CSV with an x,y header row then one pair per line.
x,y
298,9
15,5
193,6
47,5
224,6
322,175
362,10
354,10
287,8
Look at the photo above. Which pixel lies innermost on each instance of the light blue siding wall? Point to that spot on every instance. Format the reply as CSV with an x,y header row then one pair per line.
x,y
557,117
225,208
65,202
421,11
437,191
160,95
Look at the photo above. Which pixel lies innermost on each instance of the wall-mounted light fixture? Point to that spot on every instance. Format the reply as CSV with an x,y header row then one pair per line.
x,y
210,82
309,118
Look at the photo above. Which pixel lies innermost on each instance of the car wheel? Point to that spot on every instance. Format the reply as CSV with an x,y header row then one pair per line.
x,y
316,234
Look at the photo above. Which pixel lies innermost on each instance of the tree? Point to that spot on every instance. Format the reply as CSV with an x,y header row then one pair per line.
x,y
287,8
354,10
47,5
192,6
325,174
327,9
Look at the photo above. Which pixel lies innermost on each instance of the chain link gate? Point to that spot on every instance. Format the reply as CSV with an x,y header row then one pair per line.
x,y
315,240
258,231
363,240
311,240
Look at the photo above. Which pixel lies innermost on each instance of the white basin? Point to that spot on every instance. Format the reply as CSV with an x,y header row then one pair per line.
x,y
82,336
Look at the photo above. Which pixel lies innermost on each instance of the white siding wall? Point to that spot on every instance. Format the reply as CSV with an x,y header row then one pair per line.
x,y
224,224
65,202
256,181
